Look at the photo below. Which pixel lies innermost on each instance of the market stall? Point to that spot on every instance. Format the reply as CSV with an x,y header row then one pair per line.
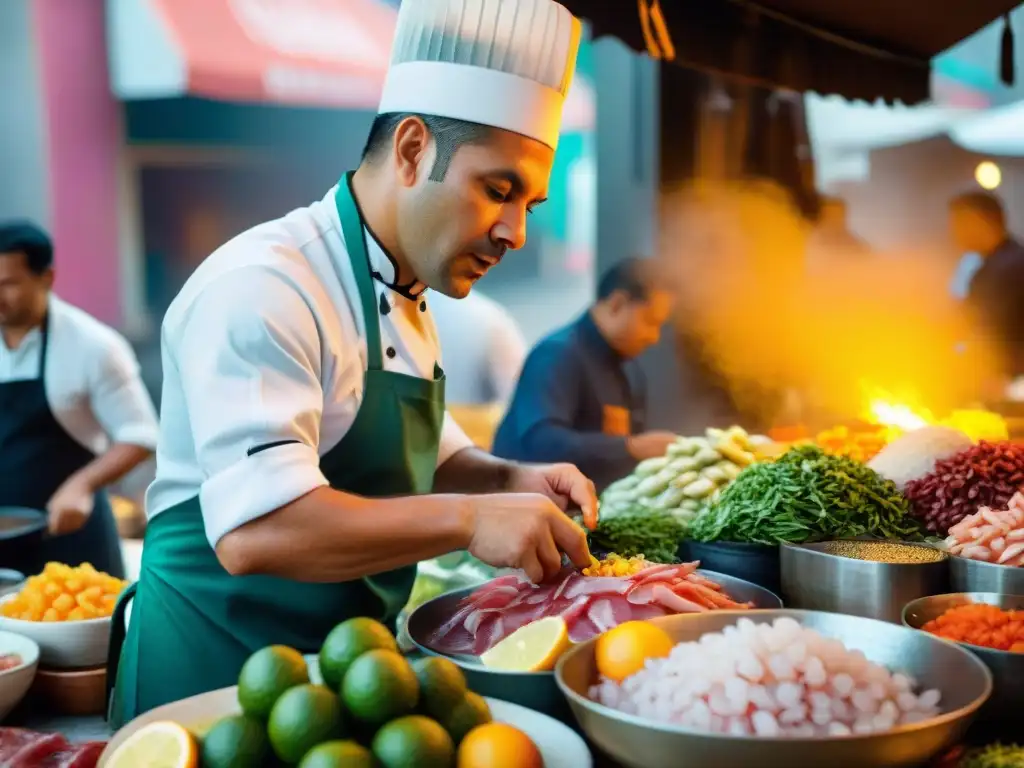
x,y
865,556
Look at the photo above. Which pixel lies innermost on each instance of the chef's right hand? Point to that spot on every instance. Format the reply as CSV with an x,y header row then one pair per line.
x,y
649,445
527,531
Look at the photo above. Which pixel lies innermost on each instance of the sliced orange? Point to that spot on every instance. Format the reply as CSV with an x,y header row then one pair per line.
x,y
162,744
535,647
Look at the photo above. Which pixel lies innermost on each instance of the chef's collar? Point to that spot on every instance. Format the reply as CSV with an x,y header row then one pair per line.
x,y
385,269
383,266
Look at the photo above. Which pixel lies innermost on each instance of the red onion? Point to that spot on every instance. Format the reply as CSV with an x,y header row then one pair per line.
x,y
986,474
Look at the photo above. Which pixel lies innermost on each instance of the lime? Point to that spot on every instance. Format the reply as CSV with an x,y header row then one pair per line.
x,y
303,717
338,754
266,675
380,686
347,642
414,742
442,685
236,741
467,715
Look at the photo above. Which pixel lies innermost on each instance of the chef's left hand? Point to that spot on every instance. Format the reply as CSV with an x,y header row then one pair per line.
x,y
562,483
70,507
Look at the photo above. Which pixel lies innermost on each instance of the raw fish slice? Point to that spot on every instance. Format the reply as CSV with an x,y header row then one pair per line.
x,y
457,621
598,585
582,630
676,603
642,594
608,612
708,597
28,749
491,633
85,755
704,581
572,611
648,611
601,614
681,569
563,585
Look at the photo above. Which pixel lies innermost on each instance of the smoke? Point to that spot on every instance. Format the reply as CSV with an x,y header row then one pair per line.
x,y
735,254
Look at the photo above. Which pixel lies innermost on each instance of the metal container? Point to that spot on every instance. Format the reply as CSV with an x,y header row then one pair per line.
x,y
756,563
965,684
10,581
536,690
815,580
976,576
21,538
1007,668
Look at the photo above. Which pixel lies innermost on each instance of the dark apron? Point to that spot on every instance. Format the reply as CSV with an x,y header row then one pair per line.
x,y
193,624
36,456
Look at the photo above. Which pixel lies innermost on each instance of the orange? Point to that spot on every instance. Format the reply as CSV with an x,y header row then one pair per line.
x,y
622,652
498,745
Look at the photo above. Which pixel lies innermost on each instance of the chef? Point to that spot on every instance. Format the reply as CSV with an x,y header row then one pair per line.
x,y
581,397
306,462
74,414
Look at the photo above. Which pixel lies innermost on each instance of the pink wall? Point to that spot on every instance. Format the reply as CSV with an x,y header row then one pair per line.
x,y
84,124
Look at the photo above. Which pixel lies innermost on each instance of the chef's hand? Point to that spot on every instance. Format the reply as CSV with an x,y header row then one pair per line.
x,y
527,531
562,483
69,508
649,445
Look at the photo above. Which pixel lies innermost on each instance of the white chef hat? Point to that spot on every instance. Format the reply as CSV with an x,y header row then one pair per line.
x,y
503,63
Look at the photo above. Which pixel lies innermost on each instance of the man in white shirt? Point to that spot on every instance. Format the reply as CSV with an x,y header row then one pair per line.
x,y
305,462
74,414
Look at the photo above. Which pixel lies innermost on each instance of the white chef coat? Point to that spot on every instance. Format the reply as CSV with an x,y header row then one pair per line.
x,y
91,379
485,349
264,354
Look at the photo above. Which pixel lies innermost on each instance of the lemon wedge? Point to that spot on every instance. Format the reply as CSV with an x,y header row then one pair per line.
x,y
535,647
158,745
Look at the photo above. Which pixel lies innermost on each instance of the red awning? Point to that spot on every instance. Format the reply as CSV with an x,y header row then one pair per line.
x,y
325,53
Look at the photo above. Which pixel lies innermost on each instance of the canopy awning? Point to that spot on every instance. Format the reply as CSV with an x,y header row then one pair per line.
x,y
319,53
859,49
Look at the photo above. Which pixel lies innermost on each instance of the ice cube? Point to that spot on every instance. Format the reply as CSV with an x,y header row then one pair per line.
x,y
929,699
842,685
780,666
864,702
764,723
814,672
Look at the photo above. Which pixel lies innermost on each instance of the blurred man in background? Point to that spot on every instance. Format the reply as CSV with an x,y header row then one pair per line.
x,y
995,297
580,399
74,414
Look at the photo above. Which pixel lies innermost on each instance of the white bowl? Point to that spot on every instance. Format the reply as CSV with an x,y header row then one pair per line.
x,y
15,682
64,644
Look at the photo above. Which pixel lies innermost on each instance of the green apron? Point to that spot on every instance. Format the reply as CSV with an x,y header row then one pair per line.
x,y
193,624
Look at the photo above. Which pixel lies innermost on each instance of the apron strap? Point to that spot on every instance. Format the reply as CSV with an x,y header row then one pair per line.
x,y
44,346
355,243
118,632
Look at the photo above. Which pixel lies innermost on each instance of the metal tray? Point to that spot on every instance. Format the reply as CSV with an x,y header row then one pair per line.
x,y
537,690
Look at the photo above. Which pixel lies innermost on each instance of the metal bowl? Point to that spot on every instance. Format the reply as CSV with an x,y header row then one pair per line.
x,y
1007,668
815,580
965,684
535,690
977,576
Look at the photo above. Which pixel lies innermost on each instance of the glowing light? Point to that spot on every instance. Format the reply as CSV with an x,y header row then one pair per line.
x,y
988,175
